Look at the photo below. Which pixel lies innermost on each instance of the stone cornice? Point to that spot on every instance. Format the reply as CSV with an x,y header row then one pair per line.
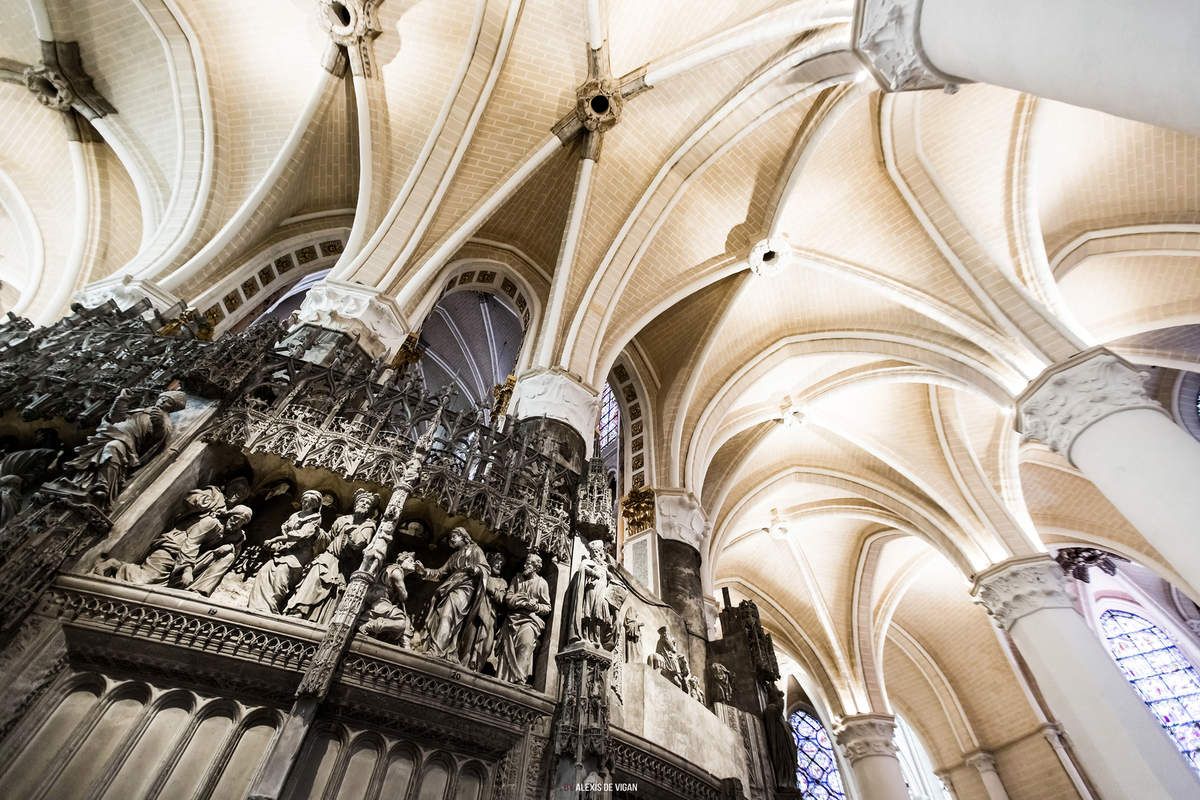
x,y
1071,396
867,735
126,291
1016,588
887,39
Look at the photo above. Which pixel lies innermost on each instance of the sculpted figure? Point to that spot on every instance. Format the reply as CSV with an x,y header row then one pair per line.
x,y
174,555
384,616
528,604
211,499
125,440
722,686
339,552
457,599
593,608
22,471
480,633
693,688
669,661
290,553
781,747
633,637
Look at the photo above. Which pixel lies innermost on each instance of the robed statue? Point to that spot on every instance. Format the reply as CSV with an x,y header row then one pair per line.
x,y
781,746
480,633
22,471
126,439
594,601
455,606
338,553
528,604
290,553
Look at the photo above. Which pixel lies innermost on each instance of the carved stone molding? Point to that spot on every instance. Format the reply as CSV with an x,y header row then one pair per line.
x,y
770,256
867,735
352,25
982,761
887,39
1017,588
1071,396
126,291
557,394
358,311
680,517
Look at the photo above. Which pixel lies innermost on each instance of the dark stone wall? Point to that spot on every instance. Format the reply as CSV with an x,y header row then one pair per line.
x,y
679,573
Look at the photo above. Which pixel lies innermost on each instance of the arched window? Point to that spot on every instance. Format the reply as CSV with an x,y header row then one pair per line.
x,y
1158,670
610,418
816,767
916,765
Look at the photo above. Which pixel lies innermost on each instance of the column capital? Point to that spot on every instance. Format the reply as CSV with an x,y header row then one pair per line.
x,y
126,291
555,393
1015,588
680,517
359,311
982,761
1072,395
887,39
866,735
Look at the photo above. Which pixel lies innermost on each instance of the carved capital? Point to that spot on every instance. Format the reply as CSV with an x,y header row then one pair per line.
x,y
982,761
1071,396
557,394
887,39
867,735
1016,588
358,311
680,517
126,291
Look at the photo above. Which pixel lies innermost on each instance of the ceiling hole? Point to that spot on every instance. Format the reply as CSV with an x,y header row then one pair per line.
x,y
599,104
769,256
341,12
45,87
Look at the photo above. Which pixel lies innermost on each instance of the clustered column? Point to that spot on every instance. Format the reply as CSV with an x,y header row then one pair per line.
x,y
1118,741
868,743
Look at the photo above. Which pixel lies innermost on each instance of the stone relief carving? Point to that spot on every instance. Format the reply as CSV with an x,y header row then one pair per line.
x,y
183,556
126,439
385,616
337,554
1072,396
887,37
23,470
289,554
681,518
1017,589
455,606
671,663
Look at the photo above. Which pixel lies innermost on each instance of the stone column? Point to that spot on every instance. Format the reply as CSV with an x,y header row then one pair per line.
x,y
985,764
1094,410
552,393
1134,60
1119,743
869,747
682,530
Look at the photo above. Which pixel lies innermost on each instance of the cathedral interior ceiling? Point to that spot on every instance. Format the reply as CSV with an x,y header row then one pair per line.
x,y
944,250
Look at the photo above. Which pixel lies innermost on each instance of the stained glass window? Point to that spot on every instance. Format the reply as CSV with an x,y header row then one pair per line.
x,y
610,418
1160,673
816,768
